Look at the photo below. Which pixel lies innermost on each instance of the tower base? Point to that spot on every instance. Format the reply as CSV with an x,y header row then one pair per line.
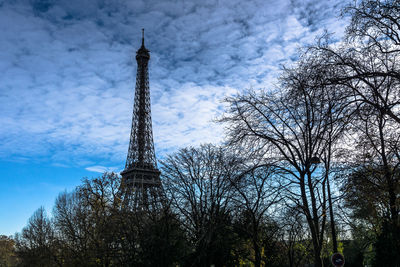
x,y
141,189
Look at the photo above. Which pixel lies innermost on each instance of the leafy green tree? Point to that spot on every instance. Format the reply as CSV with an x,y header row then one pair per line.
x,y
162,241
295,238
7,251
367,198
387,246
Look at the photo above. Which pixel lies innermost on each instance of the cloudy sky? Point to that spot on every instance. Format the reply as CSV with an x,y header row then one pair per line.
x,y
68,73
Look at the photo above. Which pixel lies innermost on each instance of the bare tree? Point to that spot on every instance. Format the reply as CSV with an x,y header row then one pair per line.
x,y
375,22
85,222
378,143
198,182
292,128
366,64
72,228
256,192
366,70
35,246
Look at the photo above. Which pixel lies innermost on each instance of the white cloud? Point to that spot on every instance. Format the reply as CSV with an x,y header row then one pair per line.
x,y
68,67
102,169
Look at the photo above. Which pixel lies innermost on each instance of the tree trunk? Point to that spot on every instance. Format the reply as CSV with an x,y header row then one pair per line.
x,y
256,247
333,229
312,224
257,254
317,257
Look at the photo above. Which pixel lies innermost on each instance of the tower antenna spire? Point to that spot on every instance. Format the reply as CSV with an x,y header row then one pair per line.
x,y
142,36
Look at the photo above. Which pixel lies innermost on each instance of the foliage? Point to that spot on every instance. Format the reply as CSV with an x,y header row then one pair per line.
x,y
387,246
90,227
7,253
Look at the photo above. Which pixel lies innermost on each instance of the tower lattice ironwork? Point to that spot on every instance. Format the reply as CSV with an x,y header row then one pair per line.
x,y
141,177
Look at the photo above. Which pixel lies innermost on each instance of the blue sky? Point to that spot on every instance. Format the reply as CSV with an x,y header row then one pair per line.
x,y
68,73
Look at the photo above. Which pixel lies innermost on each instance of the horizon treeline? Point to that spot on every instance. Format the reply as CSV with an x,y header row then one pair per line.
x,y
307,168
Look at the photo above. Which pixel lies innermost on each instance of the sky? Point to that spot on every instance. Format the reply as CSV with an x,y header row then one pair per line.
x,y
68,75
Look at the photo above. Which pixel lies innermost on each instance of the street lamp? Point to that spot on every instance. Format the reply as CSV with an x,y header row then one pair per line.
x,y
314,160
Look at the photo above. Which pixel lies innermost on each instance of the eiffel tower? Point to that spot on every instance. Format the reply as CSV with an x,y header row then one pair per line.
x,y
141,178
